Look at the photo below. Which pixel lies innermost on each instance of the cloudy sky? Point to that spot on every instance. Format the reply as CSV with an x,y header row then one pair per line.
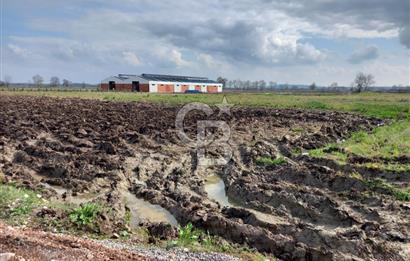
x,y
293,41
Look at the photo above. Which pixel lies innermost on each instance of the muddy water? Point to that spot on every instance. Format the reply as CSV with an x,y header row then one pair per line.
x,y
78,199
143,211
215,187
59,190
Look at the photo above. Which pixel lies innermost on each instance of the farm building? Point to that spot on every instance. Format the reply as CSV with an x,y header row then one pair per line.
x,y
157,83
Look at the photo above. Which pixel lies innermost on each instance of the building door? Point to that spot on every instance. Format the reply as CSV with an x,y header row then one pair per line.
x,y
135,86
111,86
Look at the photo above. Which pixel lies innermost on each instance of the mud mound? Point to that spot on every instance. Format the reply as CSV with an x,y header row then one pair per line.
x,y
298,208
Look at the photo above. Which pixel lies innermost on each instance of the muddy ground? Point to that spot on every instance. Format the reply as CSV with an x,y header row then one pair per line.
x,y
302,209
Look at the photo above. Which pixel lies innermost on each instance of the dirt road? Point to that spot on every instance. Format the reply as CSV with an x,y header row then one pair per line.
x,y
28,244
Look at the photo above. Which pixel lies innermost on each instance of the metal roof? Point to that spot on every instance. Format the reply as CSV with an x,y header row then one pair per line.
x,y
175,78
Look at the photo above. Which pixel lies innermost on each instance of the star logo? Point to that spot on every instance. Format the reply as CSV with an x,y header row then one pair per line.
x,y
224,107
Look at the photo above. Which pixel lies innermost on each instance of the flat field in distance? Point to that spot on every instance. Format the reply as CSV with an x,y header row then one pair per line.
x,y
382,105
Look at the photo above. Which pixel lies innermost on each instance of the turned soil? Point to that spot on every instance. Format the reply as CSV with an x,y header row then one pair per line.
x,y
316,209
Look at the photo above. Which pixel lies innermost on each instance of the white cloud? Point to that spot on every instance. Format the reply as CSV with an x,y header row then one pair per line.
x,y
131,58
176,57
208,60
287,50
18,51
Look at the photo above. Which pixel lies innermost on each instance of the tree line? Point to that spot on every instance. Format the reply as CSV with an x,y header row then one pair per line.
x,y
361,83
38,81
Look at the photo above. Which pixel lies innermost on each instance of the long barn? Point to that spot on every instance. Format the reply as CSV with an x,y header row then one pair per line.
x,y
157,83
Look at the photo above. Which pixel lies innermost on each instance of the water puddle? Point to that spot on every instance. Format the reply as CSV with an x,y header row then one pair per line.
x,y
143,211
215,187
78,199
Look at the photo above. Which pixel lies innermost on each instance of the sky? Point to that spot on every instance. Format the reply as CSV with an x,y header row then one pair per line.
x,y
286,41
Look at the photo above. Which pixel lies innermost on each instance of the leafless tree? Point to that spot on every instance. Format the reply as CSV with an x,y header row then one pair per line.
x,y
262,85
66,83
334,84
363,81
54,81
38,80
7,80
222,80
312,87
272,84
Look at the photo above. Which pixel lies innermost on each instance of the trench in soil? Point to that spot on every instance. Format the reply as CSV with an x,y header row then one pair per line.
x,y
141,210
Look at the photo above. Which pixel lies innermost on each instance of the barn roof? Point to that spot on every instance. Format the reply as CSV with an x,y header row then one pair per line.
x,y
175,78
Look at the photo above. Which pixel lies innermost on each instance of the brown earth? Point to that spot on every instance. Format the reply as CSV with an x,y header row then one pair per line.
x,y
314,209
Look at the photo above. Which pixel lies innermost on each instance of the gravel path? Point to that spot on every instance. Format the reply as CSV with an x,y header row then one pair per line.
x,y
174,254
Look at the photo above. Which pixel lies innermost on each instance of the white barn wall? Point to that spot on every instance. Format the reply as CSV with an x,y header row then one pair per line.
x,y
153,86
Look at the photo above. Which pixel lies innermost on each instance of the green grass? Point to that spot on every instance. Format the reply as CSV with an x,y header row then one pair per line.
x,y
330,152
188,235
390,167
402,194
86,214
198,240
386,105
267,161
386,142
17,204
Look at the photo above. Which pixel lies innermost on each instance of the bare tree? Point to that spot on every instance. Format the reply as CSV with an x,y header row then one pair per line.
x,y
7,80
363,81
222,80
261,85
66,83
334,84
272,85
38,80
54,81
312,87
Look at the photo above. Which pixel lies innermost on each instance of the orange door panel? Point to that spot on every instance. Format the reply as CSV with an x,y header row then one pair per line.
x,y
166,88
212,89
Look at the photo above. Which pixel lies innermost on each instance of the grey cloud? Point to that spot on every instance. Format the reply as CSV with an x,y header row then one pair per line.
x,y
243,41
364,54
380,15
405,36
